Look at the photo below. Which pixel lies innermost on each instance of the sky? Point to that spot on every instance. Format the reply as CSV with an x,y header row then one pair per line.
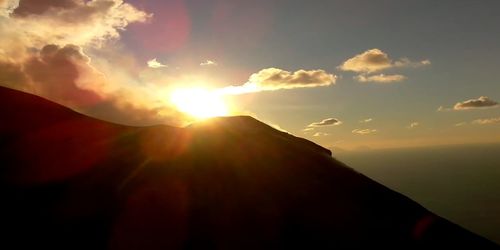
x,y
345,74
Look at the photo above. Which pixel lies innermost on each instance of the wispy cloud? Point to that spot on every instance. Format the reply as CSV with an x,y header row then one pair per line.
x,y
366,120
326,122
486,121
318,134
208,63
153,63
381,78
276,79
482,102
413,125
365,131
479,103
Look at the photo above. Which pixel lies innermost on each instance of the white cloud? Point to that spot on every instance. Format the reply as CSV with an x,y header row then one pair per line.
x,y
318,134
7,7
413,125
367,62
381,78
276,79
460,124
326,122
208,63
153,63
366,120
375,60
364,131
442,109
479,103
405,62
35,24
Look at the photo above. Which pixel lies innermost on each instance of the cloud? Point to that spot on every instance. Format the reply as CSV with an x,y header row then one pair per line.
x,y
326,122
442,109
460,124
208,63
36,23
486,121
153,63
7,7
364,131
375,60
307,129
381,78
405,62
479,103
276,79
366,120
317,134
413,125
367,62
57,49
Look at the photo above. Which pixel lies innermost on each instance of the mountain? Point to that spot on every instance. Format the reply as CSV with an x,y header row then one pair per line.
x,y
68,181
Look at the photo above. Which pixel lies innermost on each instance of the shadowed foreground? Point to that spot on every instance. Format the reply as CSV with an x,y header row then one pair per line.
x,y
72,182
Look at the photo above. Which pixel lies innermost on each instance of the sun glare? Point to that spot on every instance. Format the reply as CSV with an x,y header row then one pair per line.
x,y
199,103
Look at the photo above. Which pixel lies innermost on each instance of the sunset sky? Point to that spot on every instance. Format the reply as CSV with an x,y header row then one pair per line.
x,y
345,74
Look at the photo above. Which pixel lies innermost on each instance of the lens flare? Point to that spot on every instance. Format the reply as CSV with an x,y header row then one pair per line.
x,y
199,103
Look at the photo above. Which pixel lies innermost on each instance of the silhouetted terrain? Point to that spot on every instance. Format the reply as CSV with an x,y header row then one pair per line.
x,y
72,182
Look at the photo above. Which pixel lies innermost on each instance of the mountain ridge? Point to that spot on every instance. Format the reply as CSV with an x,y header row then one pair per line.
x,y
70,181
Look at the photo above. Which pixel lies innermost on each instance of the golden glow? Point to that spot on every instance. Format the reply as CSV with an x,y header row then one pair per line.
x,y
199,103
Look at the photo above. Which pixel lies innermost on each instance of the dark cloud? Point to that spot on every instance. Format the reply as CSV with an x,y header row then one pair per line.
x,y
55,73
481,102
326,122
37,7
12,76
64,75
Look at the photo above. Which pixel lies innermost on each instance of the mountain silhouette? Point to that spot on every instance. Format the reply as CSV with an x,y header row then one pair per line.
x,y
69,181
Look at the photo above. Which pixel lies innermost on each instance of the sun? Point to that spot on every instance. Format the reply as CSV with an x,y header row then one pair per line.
x,y
199,103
